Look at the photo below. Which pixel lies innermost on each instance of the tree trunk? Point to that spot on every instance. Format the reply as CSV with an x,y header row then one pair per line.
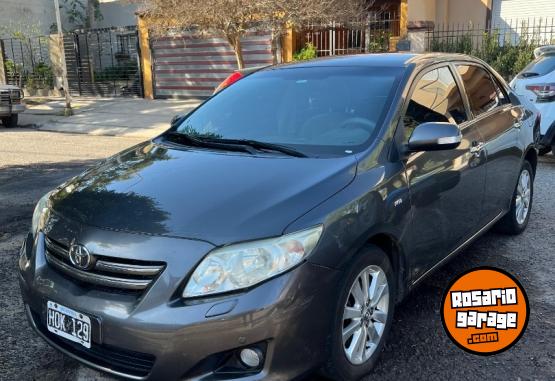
x,y
89,14
276,48
235,42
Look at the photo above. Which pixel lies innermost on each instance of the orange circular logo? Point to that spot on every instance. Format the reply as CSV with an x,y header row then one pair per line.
x,y
485,311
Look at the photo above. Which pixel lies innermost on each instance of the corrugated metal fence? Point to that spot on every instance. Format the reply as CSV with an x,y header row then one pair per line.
x,y
191,66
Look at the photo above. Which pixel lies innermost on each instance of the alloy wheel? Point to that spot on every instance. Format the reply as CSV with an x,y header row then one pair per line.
x,y
365,314
523,197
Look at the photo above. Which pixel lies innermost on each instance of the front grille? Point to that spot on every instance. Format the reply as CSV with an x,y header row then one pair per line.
x,y
5,97
107,356
115,273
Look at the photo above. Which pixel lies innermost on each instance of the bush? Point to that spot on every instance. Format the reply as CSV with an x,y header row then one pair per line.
x,y
40,78
122,72
307,53
506,58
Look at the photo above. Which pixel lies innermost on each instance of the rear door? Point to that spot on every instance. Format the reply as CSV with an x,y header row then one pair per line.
x,y
498,122
446,187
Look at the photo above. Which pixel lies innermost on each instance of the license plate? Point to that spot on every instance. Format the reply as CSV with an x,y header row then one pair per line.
x,y
69,324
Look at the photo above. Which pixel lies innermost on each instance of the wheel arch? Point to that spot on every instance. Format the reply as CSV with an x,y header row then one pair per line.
x,y
392,247
532,157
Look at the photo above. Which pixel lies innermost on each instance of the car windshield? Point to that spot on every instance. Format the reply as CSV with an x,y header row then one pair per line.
x,y
315,110
540,66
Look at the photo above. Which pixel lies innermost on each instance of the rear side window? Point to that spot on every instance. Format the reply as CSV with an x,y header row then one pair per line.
x,y
483,93
540,66
436,98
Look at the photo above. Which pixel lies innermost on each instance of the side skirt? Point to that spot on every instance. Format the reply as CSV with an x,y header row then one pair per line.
x,y
463,246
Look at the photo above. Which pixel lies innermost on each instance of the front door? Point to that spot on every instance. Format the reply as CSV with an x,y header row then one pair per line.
x,y
446,187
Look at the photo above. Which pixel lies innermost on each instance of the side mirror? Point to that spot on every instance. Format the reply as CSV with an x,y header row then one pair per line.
x,y
175,119
435,136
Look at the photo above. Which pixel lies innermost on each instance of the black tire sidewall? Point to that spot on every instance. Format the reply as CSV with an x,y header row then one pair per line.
x,y
10,121
521,227
338,367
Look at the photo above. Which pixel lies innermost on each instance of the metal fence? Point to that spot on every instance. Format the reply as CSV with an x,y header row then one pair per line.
x,y
370,35
27,62
471,38
103,62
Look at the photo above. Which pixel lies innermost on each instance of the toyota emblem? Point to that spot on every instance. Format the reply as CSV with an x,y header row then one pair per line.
x,y
80,257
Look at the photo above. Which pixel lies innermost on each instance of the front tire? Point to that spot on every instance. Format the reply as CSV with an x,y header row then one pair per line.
x,y
516,220
10,121
363,316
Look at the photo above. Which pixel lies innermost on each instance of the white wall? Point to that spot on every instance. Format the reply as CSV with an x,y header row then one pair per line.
x,y
506,10
28,14
116,13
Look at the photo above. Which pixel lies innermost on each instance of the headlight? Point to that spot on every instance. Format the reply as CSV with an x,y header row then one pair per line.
x,y
243,265
41,207
15,95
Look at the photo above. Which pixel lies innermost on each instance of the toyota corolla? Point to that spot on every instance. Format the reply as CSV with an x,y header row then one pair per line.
x,y
270,232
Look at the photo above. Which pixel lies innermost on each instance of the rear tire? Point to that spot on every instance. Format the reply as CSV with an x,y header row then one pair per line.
x,y
368,316
516,220
10,121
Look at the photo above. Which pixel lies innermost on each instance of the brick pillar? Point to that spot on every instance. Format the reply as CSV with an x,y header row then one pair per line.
x,y
2,73
146,63
404,19
288,45
54,49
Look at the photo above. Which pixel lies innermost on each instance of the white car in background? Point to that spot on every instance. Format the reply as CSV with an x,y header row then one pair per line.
x,y
11,104
536,84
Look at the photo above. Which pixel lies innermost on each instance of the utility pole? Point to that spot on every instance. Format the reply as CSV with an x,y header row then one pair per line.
x,y
68,111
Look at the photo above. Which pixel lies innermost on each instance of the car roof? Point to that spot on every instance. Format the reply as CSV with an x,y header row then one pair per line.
x,y
378,60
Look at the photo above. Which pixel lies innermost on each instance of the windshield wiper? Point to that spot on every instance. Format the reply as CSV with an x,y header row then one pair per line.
x,y
194,141
259,145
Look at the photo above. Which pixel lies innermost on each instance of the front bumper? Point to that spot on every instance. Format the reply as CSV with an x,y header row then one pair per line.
x,y
548,138
158,336
9,109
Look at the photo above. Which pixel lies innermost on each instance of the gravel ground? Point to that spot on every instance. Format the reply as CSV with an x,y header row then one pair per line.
x,y
33,162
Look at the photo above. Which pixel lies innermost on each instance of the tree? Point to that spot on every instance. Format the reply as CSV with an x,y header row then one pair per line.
x,y
280,15
233,18
82,12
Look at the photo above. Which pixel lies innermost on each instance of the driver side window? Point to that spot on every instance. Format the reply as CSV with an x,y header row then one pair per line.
x,y
436,98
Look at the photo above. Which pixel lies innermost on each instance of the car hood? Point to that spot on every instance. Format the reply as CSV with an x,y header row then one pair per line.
x,y
215,196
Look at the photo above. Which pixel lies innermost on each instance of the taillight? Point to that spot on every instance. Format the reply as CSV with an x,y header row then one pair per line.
x,y
230,80
544,91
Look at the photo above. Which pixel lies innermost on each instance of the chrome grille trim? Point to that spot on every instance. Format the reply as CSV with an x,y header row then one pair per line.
x,y
5,97
102,280
107,271
119,268
53,246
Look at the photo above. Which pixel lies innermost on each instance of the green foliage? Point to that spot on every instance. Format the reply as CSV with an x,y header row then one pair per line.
x,y
308,52
41,77
379,42
11,67
81,13
122,72
505,56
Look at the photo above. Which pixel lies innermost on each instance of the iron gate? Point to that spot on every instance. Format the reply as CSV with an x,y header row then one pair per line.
x,y
103,62
27,62
369,36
